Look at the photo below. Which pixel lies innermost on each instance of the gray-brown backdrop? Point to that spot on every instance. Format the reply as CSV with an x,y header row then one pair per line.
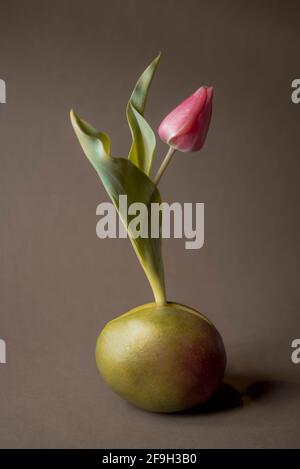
x,y
59,284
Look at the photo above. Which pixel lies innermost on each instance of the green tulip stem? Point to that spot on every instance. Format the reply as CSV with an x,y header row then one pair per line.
x,y
158,289
164,165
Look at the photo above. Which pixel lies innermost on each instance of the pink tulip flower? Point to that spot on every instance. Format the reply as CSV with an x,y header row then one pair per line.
x,y
185,128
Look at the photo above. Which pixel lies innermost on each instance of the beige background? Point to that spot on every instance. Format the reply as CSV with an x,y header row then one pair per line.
x,y
59,284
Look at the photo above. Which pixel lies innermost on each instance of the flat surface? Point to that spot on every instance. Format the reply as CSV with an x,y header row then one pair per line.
x,y
59,284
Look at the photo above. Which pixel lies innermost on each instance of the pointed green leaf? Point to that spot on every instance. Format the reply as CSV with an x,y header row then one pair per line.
x,y
141,89
143,138
94,144
120,177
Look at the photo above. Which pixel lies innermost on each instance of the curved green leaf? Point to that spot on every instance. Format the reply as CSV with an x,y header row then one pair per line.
x,y
141,89
119,177
95,144
143,138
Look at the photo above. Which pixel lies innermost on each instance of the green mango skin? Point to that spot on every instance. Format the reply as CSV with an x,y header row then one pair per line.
x,y
161,358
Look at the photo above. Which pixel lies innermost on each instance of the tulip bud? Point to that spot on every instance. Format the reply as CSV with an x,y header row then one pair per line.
x,y
185,128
